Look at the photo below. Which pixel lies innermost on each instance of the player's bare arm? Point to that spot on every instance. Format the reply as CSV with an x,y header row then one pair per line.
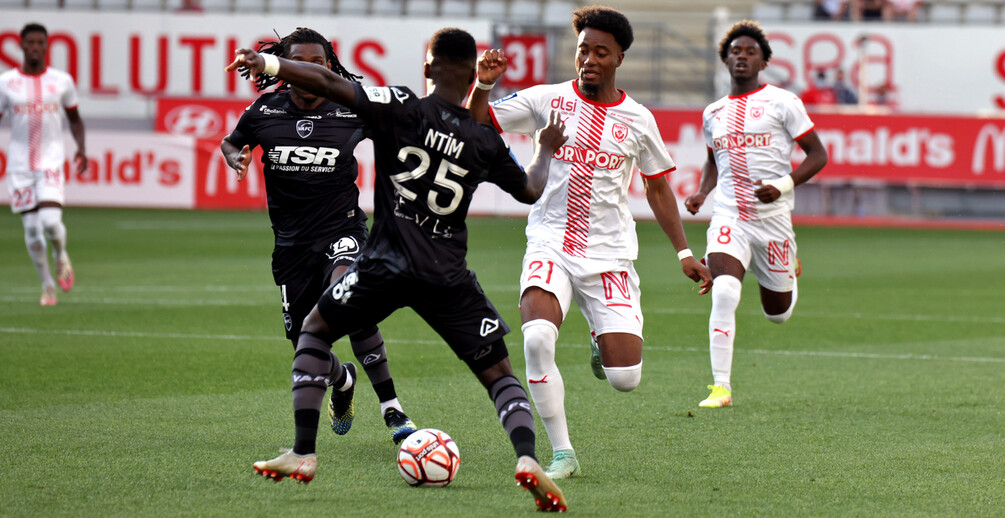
x,y
311,77
77,130
491,66
709,179
238,159
549,139
664,204
816,159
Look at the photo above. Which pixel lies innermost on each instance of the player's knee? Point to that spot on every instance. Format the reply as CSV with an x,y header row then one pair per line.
x,y
624,379
726,291
539,337
781,318
50,218
315,324
33,237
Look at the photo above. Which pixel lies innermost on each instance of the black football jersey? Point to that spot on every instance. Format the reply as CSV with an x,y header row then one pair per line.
x,y
430,156
310,170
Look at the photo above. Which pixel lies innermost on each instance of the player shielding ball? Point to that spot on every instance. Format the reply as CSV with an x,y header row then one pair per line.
x,y
36,95
314,207
750,135
430,156
581,240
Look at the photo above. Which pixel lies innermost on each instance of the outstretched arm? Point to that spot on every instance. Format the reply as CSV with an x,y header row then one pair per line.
x,y
549,139
664,204
237,159
816,159
491,66
709,178
77,130
314,78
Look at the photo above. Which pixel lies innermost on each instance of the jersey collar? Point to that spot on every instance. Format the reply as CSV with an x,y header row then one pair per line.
x,y
575,87
741,96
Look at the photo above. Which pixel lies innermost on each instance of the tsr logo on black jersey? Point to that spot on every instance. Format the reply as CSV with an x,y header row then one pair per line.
x,y
303,154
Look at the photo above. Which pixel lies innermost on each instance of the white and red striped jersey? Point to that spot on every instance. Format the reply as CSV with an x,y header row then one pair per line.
x,y
584,209
35,104
752,137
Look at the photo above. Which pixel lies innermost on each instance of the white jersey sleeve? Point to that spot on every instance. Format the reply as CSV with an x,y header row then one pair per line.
x,y
520,112
4,100
69,99
797,121
654,159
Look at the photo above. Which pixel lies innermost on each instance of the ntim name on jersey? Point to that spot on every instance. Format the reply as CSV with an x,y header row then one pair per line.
x,y
308,159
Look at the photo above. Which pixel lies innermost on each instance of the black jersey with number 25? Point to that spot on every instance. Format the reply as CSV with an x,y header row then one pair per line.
x,y
310,171
430,156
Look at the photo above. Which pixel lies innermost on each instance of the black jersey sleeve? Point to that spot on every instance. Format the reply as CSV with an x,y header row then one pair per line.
x,y
377,105
244,133
505,171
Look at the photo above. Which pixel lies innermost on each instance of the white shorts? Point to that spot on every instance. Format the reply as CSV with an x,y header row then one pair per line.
x,y
765,247
28,189
606,290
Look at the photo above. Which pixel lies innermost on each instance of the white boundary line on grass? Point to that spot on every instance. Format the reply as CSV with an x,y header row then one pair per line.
x,y
190,336
168,301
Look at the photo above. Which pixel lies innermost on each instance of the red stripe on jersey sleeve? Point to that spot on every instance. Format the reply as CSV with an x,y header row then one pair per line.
x,y
492,115
807,132
662,173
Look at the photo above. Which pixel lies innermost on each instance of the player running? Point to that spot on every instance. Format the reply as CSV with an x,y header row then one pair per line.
x,y
430,155
581,240
750,135
35,95
313,205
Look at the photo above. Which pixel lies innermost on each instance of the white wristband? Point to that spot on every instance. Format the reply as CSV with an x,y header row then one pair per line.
x,y
684,254
483,86
271,64
783,184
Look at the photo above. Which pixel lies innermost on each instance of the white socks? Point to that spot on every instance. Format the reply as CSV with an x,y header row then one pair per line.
x,y
34,240
545,381
52,224
726,291
391,403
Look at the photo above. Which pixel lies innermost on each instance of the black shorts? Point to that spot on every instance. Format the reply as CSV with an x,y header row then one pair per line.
x,y
303,272
461,314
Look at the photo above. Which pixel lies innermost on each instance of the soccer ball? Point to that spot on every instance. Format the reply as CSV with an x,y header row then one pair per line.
x,y
428,458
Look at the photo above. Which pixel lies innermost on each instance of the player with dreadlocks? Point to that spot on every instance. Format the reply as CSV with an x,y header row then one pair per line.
x,y
310,181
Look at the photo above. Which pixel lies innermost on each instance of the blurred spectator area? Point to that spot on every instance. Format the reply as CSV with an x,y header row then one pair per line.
x,y
537,11
929,11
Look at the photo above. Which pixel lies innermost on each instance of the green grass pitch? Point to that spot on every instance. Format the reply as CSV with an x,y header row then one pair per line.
x,y
153,386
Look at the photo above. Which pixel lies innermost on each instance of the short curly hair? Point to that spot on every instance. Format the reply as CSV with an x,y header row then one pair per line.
x,y
604,19
454,45
745,28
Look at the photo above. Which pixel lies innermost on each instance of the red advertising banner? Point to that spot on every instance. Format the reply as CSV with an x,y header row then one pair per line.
x,y
930,150
198,117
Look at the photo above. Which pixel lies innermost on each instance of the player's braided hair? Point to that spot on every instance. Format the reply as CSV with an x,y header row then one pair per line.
x,y
604,19
282,47
745,28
